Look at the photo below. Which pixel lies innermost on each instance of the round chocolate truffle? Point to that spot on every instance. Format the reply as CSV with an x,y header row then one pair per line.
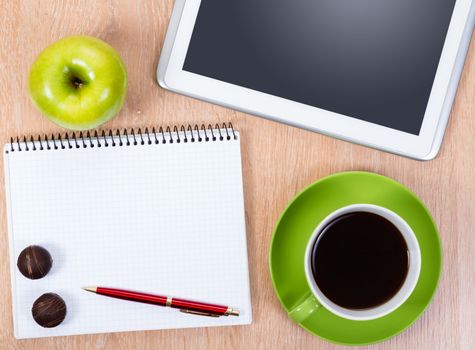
x,y
34,262
49,310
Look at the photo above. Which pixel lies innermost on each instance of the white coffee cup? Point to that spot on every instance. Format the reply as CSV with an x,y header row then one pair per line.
x,y
316,299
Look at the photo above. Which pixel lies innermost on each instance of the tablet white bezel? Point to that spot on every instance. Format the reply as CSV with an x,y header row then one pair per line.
x,y
423,146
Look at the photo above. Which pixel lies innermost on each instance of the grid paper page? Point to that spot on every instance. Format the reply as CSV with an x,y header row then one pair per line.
x,y
164,219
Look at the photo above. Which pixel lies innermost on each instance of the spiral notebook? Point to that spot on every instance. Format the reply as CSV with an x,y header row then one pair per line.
x,y
159,211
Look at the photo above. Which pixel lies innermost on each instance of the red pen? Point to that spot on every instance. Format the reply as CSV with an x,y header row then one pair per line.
x,y
187,306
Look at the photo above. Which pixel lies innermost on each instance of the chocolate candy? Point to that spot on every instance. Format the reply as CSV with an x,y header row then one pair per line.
x,y
49,310
34,262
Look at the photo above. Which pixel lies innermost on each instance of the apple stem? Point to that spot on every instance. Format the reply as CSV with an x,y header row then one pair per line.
x,y
77,83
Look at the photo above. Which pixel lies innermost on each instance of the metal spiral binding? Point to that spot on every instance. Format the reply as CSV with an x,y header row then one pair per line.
x,y
92,139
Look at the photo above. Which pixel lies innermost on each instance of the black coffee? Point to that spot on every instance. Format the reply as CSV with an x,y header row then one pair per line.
x,y
360,260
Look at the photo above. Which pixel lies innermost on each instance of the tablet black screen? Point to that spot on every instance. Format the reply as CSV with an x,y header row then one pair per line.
x,y
373,60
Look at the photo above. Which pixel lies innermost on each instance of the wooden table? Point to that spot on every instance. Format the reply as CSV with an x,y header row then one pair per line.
x,y
278,162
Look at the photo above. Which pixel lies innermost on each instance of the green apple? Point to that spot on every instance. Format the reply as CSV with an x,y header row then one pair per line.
x,y
78,82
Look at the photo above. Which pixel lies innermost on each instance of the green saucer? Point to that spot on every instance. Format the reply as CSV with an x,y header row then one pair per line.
x,y
300,219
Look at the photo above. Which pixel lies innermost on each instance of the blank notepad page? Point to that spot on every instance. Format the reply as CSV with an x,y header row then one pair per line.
x,y
164,218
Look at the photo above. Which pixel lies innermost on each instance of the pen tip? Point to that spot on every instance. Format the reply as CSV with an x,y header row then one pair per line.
x,y
90,289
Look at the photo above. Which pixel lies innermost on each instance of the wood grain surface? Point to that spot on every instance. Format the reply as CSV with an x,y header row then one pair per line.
x,y
278,161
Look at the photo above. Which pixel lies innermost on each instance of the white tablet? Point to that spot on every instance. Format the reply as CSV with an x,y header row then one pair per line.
x,y
382,73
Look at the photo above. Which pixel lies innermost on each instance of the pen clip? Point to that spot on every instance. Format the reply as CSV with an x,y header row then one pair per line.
x,y
199,313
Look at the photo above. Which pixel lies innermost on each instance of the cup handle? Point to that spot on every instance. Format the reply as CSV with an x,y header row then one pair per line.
x,y
304,308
